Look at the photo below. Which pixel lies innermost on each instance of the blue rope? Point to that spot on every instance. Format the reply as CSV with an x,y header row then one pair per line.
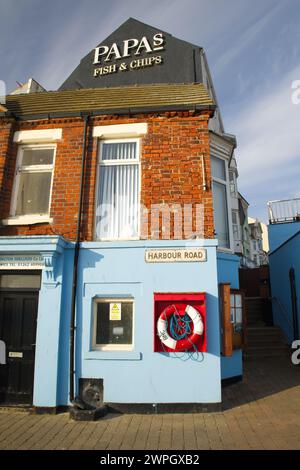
x,y
179,329
180,326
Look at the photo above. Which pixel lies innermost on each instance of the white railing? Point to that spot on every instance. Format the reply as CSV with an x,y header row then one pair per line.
x,y
285,210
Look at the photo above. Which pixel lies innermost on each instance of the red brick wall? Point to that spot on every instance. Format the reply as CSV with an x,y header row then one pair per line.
x,y
6,164
171,170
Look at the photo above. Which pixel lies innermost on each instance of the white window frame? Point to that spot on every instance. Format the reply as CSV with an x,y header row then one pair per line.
x,y
228,196
103,163
232,184
237,224
30,218
112,347
238,326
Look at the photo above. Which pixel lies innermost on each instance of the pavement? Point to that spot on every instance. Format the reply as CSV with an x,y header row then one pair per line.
x,y
261,412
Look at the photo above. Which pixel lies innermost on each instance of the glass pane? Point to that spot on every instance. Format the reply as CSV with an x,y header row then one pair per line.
x,y
20,281
118,202
234,217
239,316
221,214
33,193
238,300
236,232
232,304
37,157
232,315
114,331
218,168
119,151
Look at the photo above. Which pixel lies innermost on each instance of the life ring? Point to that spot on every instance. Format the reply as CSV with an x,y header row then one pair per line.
x,y
181,344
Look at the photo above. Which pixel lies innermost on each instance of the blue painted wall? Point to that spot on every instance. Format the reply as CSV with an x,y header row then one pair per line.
x,y
279,233
228,271
280,261
50,311
143,376
108,270
232,366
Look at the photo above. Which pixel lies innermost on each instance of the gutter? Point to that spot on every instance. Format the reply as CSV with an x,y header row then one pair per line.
x,y
120,111
85,117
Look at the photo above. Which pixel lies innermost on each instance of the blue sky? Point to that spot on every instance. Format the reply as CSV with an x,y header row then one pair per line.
x,y
253,49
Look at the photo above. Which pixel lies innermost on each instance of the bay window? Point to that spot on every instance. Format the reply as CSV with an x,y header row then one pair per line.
x,y
117,203
220,202
235,225
232,181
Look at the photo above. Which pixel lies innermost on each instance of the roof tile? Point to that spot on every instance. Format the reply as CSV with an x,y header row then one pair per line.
x,y
109,99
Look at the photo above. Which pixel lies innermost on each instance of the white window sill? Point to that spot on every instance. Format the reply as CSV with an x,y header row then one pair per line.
x,y
225,250
116,239
113,355
28,220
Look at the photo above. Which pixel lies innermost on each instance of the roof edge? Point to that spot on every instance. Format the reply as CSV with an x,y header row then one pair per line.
x,y
121,111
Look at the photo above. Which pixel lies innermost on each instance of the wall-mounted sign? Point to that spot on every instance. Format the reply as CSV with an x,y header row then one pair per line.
x,y
21,262
137,54
12,354
177,255
115,311
130,47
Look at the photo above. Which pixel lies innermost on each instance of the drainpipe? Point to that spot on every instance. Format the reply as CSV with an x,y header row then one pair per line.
x,y
75,264
294,302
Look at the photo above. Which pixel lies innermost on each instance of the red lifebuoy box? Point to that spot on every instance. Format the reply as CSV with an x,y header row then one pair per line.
x,y
190,307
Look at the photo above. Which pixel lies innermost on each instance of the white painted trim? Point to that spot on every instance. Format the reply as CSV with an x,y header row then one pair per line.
x,y
103,163
18,170
228,198
27,220
111,347
225,250
120,130
37,136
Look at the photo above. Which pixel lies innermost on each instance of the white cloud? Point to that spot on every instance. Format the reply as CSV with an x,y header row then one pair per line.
x,y
268,133
242,42
85,29
202,22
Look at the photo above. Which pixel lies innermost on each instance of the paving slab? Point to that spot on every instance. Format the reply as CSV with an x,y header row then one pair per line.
x,y
261,412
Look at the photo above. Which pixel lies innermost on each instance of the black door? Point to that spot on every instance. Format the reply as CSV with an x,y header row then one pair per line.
x,y
18,318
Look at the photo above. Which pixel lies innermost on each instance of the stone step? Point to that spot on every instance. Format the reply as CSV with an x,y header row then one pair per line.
x,y
266,347
254,315
254,321
271,334
263,330
264,354
260,340
255,307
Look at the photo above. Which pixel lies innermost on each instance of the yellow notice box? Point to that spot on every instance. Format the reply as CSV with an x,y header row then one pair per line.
x,y
115,311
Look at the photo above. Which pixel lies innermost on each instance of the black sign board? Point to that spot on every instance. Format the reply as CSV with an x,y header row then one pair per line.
x,y
137,54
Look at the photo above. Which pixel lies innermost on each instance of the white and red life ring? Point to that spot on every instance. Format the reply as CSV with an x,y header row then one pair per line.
x,y
181,344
